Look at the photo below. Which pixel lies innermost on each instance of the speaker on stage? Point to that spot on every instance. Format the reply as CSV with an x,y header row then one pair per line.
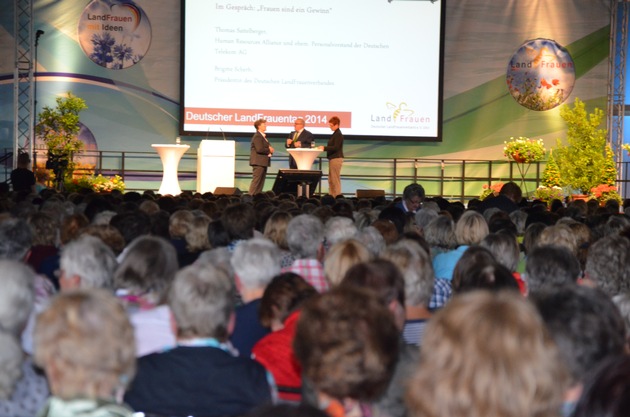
x,y
296,181
227,191
370,193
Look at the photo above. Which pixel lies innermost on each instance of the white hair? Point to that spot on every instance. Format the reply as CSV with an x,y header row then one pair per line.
x,y
256,261
339,228
89,258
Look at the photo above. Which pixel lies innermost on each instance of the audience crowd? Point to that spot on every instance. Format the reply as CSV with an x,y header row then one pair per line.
x,y
136,304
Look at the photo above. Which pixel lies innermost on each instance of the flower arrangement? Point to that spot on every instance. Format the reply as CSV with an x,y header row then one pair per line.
x,y
626,147
549,194
97,183
605,192
491,190
524,150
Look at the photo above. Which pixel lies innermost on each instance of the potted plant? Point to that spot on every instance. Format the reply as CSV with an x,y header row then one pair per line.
x,y
548,194
605,192
491,190
58,128
524,150
580,161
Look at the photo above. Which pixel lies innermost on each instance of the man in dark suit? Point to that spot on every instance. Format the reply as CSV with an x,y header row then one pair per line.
x,y
299,138
259,157
334,152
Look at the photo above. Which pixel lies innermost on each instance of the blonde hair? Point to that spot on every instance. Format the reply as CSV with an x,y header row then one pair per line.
x,y
179,223
487,355
559,235
341,257
85,344
197,236
471,228
276,228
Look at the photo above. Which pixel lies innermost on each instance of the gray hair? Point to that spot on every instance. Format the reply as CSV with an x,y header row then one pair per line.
x,y
424,216
305,234
504,247
103,218
16,239
201,301
218,257
440,233
90,259
417,269
372,239
256,261
608,264
16,302
519,218
339,228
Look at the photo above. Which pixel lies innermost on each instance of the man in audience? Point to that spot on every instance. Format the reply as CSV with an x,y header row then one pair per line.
x,y
413,194
586,326
203,375
305,240
508,199
255,262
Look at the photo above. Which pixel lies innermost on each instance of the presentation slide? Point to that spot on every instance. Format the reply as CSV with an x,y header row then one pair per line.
x,y
376,64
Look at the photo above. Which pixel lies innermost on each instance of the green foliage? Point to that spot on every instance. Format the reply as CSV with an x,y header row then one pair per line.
x,y
58,127
551,175
581,160
609,170
549,193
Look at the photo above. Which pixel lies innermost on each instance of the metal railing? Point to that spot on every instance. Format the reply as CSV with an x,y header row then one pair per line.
x,y
454,179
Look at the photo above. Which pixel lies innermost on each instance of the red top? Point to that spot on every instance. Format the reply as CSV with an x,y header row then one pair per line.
x,y
275,353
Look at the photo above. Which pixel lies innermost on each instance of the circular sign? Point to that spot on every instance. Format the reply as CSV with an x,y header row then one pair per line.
x,y
114,34
541,75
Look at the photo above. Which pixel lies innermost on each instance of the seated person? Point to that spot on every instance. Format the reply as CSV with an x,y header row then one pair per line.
x,y
203,375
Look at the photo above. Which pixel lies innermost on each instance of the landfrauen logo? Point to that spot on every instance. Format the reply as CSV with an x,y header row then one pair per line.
x,y
541,74
114,34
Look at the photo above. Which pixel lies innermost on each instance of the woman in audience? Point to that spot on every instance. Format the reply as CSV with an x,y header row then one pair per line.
x,y
341,257
143,279
84,342
280,310
276,231
347,344
487,354
470,229
607,391
22,390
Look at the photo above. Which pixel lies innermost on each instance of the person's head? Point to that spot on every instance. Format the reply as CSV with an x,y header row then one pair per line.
x,y
16,239
305,235
372,239
471,228
255,261
16,302
108,234
440,233
347,343
387,229
341,257
339,228
532,235
504,247
85,344
201,300
87,262
260,125
197,236
607,390
45,228
132,224
551,266
284,294
148,266
276,228
487,354
23,159
334,123
608,264
298,125
423,217
417,270
512,191
385,280
413,194
559,235
585,324
492,276
180,223
239,221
